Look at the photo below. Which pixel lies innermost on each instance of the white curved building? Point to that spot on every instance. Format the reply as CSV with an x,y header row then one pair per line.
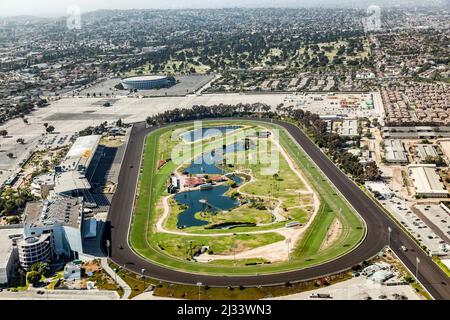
x,y
148,82
35,249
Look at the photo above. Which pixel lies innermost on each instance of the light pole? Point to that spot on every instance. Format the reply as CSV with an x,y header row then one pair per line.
x,y
389,238
143,276
417,268
234,252
108,247
288,242
199,285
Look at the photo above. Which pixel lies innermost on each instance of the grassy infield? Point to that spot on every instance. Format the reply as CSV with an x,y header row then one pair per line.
x,y
152,185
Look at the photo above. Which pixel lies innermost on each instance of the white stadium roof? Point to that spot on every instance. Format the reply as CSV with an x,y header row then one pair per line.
x,y
145,78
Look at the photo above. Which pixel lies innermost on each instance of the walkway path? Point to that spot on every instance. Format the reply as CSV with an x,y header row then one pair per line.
x,y
126,288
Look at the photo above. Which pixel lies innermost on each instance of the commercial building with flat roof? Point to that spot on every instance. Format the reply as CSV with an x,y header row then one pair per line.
x,y
47,180
445,147
426,150
395,151
421,132
9,259
53,226
346,127
381,188
427,182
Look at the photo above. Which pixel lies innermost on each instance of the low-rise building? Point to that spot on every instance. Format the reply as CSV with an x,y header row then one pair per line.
x,y
445,147
72,271
395,152
381,276
419,132
346,127
427,182
9,258
381,188
426,150
41,185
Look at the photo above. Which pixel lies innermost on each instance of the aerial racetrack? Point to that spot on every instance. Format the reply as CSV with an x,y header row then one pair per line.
x,y
238,198
135,216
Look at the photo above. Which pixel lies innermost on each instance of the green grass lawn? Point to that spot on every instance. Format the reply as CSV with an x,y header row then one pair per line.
x,y
240,214
164,289
285,187
152,186
181,247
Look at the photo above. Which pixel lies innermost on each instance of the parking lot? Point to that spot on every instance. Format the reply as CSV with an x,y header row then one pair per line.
x,y
401,209
55,141
358,288
326,104
186,85
438,217
69,115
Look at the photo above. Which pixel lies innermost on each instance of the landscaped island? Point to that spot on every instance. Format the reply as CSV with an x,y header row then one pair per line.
x,y
239,198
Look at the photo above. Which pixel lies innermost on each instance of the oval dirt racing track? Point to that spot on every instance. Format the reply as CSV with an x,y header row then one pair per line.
x,y
377,221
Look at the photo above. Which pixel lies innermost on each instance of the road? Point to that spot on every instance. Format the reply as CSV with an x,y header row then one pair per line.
x,y
377,221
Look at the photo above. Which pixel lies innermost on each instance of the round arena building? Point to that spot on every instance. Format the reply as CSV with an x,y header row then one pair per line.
x,y
148,82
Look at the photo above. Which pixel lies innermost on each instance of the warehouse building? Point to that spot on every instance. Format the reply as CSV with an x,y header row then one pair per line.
x,y
420,132
346,127
427,182
426,150
395,152
445,147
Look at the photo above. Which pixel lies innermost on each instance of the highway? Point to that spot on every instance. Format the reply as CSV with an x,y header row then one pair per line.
x,y
430,275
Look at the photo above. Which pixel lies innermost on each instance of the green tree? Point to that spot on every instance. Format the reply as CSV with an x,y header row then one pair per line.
x,y
41,267
372,172
33,277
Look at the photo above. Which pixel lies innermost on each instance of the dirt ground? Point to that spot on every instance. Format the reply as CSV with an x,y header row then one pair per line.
x,y
333,234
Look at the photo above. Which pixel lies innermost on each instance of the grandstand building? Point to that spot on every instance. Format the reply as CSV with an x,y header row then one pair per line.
x,y
72,176
52,229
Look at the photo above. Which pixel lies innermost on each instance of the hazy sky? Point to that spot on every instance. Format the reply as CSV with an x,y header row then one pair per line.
x,y
59,7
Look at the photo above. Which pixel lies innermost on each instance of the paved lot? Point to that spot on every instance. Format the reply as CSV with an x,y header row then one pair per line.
x,y
356,289
187,85
439,219
401,209
330,105
70,115
60,295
